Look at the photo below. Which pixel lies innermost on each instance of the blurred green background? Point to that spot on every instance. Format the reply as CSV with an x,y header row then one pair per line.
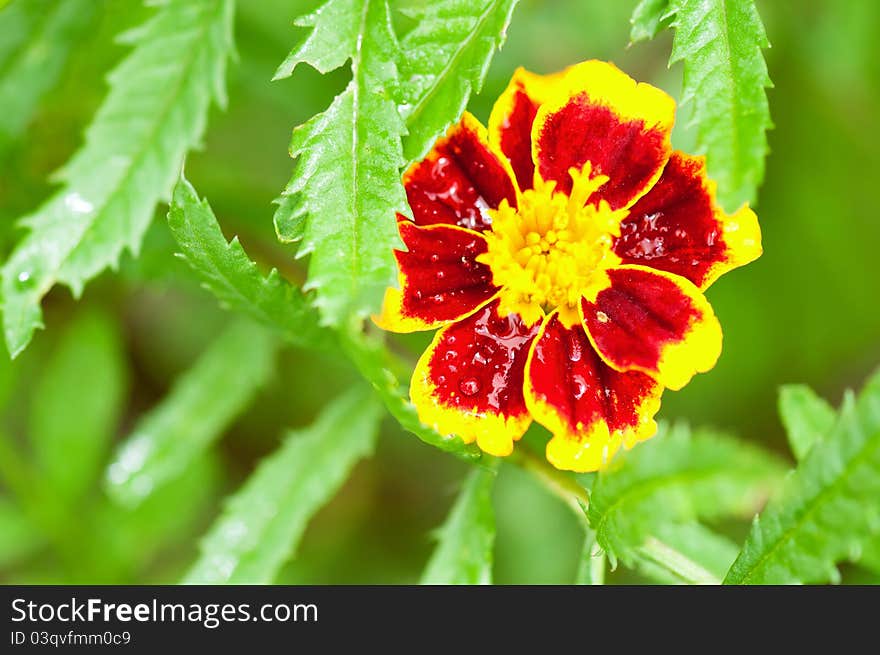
x,y
805,312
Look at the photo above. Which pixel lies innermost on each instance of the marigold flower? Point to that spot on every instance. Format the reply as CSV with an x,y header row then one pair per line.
x,y
564,253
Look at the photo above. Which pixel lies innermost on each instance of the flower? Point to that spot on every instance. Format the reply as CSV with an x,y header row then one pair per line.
x,y
563,253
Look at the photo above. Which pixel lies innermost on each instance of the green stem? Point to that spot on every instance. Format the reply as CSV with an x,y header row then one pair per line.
x,y
676,563
553,480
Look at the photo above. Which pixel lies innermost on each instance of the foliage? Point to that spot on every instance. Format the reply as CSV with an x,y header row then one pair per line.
x,y
677,476
234,279
464,552
829,509
194,414
263,521
341,201
806,417
155,112
725,77
443,59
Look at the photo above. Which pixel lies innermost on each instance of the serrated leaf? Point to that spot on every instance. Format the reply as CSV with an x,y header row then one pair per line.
x,y
725,79
806,417
263,522
464,552
155,111
227,271
195,413
444,59
677,477
341,202
686,553
649,18
80,390
375,364
126,539
829,508
36,37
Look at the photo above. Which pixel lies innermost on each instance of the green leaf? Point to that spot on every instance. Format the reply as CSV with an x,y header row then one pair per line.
x,y
725,77
263,522
36,37
677,476
829,508
444,59
229,274
155,111
686,553
341,202
378,367
649,18
464,554
124,539
198,409
80,395
591,568
806,417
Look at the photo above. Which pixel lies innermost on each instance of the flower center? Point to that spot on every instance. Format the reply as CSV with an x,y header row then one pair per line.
x,y
553,249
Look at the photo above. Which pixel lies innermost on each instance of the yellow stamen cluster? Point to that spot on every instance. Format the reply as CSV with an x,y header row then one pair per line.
x,y
552,249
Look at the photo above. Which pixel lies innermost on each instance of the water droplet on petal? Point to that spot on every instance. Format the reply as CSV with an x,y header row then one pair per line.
x,y
469,386
579,386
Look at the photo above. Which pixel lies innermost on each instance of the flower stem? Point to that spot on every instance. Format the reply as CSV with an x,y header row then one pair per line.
x,y
553,480
676,563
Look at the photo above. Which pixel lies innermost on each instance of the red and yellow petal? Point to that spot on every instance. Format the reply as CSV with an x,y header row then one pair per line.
x,y
439,278
678,226
590,408
654,322
510,123
470,380
602,116
460,179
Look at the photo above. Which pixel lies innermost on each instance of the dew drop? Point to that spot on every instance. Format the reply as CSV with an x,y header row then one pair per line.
x,y
435,258
480,358
579,386
575,349
469,386
76,203
440,275
602,317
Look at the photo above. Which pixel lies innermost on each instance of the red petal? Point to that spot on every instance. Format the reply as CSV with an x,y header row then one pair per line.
x,y
590,408
654,322
459,179
470,381
510,124
604,117
678,227
439,278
